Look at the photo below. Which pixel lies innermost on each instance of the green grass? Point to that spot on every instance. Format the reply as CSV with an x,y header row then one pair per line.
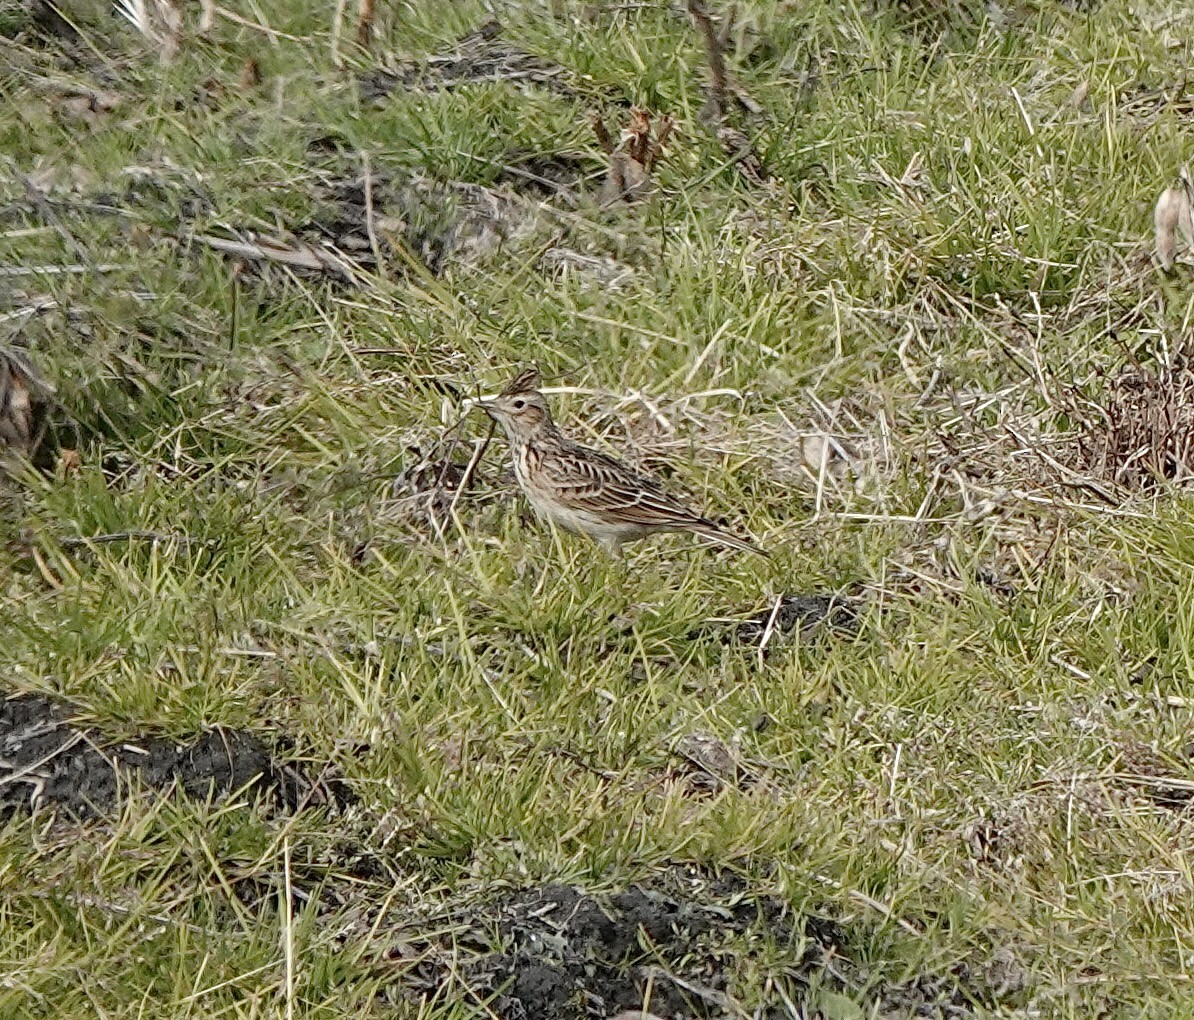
x,y
938,210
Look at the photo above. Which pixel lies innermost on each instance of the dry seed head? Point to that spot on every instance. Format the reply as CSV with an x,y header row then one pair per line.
x,y
1174,212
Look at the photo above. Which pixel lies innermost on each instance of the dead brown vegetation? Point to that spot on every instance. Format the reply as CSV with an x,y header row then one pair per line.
x,y
1138,433
633,157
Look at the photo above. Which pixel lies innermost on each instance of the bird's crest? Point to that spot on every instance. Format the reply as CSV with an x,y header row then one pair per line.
x,y
527,381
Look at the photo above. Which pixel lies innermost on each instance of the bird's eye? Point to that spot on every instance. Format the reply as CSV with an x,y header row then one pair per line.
x,y
518,405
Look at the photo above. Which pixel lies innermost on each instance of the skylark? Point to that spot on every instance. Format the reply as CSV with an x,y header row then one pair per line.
x,y
584,491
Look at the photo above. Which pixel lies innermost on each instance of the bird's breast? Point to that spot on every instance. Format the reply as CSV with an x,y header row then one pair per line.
x,y
527,461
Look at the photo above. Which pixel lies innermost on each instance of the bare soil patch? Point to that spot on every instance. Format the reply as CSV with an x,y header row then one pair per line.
x,y
669,947
46,761
805,613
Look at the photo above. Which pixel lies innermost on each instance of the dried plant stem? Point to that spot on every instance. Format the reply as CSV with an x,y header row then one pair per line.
x,y
370,225
1174,213
479,449
337,32
365,11
713,53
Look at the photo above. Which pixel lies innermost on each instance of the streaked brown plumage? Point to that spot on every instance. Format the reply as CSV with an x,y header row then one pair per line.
x,y
582,490
24,401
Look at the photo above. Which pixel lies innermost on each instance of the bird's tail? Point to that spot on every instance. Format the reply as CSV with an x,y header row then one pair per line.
x,y
716,533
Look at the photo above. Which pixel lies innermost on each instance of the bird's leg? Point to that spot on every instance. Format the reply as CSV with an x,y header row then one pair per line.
x,y
612,546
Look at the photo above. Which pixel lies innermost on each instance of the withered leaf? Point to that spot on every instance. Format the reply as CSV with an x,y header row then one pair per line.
x,y
24,403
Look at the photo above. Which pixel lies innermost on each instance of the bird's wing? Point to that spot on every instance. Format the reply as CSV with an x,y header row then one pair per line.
x,y
591,482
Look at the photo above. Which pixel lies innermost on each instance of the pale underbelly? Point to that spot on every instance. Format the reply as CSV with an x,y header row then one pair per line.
x,y
578,522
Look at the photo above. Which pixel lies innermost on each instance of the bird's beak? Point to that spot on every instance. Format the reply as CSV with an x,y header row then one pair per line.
x,y
486,404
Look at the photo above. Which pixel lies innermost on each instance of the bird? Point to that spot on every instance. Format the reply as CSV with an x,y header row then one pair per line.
x,y
24,404
582,490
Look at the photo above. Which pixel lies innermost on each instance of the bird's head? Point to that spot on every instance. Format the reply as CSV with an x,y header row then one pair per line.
x,y
520,408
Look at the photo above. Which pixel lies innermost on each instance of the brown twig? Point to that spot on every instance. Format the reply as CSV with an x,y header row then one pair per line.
x,y
638,134
467,477
718,80
722,92
727,28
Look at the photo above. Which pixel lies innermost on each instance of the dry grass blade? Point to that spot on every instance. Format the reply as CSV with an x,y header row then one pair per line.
x,y
300,256
160,21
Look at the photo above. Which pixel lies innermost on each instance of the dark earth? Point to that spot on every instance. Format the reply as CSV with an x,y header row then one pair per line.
x,y
670,947
571,954
803,611
48,762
